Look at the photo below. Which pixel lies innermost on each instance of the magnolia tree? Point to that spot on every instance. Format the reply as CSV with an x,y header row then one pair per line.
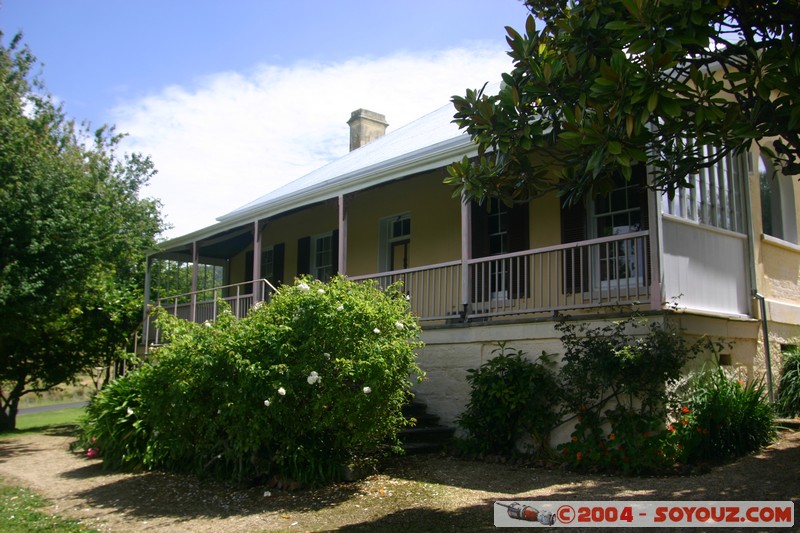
x,y
304,385
602,86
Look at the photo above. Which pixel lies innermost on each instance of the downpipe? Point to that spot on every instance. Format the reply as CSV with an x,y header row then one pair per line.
x,y
765,329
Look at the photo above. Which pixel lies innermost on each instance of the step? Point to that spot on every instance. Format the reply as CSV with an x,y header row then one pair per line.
x,y
433,434
414,409
419,448
427,435
424,420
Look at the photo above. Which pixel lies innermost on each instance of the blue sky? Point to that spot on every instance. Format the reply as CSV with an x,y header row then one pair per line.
x,y
234,98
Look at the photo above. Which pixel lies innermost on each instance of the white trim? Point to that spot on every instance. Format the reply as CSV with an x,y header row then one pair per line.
x,y
701,226
775,241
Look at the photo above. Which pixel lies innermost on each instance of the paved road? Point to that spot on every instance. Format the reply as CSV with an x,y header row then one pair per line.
x,y
56,407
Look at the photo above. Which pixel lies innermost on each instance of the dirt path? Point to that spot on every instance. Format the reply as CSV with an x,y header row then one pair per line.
x,y
425,493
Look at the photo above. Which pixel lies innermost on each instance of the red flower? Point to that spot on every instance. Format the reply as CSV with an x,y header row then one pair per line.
x,y
684,409
671,428
578,456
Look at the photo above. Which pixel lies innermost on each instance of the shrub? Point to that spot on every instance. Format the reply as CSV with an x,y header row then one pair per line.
x,y
511,397
614,380
716,417
113,418
787,401
310,382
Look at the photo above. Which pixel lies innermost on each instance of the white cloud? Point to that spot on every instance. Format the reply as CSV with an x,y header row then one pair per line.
x,y
234,136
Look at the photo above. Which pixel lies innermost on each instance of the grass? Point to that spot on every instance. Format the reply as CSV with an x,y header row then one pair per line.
x,y
21,511
46,420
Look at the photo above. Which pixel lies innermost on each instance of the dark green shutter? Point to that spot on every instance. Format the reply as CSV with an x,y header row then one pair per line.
x,y
304,256
576,265
278,255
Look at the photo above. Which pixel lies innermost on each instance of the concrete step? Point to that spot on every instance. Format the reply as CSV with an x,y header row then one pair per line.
x,y
427,435
432,434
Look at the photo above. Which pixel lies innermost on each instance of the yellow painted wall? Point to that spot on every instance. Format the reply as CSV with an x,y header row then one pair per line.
x,y
777,263
315,220
237,267
781,268
435,222
545,222
435,225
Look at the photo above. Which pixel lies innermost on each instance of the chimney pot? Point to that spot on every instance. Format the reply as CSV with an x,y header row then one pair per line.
x,y
365,127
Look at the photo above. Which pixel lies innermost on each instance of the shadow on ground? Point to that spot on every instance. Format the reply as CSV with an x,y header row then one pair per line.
x,y
773,473
473,518
441,492
177,496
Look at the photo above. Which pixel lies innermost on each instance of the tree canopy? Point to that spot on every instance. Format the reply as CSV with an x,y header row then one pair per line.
x,y
601,86
73,234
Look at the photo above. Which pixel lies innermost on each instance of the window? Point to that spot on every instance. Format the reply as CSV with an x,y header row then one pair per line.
x,y
322,254
619,213
715,198
778,212
498,244
272,257
498,228
395,247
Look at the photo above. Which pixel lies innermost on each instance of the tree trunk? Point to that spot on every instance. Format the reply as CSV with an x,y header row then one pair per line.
x,y
8,415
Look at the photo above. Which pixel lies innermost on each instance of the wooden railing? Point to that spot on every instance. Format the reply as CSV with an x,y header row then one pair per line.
x,y
203,305
595,273
434,290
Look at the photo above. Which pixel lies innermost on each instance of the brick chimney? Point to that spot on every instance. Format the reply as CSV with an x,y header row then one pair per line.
x,y
365,127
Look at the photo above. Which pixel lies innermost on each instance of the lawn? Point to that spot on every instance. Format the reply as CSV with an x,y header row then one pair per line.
x,y
47,419
21,511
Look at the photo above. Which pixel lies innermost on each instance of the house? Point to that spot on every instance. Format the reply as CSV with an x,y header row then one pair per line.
x,y
721,259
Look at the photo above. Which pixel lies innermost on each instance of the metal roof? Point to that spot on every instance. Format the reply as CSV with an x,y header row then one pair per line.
x,y
373,163
430,142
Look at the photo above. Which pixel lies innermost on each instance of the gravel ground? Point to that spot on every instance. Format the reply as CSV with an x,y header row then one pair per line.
x,y
416,493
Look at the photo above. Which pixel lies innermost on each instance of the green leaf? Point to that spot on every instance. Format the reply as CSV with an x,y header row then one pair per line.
x,y
652,101
620,25
530,25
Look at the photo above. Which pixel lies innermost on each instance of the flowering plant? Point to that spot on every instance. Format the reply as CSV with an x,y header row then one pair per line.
x,y
306,383
716,415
